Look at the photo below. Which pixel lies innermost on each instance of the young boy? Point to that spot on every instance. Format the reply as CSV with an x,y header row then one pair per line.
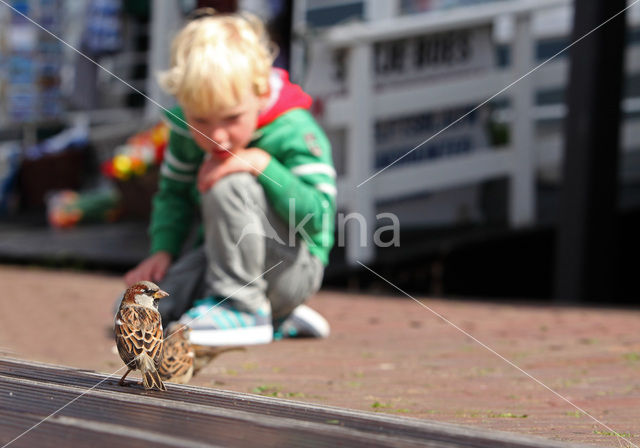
x,y
244,148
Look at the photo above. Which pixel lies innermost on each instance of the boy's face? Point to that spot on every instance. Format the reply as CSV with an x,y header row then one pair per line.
x,y
230,127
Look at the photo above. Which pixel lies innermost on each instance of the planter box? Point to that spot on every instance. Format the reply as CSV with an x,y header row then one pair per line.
x,y
61,171
137,194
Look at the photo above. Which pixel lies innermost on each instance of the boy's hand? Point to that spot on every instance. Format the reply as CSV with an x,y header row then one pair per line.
x,y
250,160
152,268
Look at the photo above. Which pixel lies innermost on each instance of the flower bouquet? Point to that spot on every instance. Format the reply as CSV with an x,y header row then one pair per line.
x,y
134,169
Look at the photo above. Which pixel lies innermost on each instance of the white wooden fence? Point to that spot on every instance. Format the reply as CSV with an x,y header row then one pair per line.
x,y
360,103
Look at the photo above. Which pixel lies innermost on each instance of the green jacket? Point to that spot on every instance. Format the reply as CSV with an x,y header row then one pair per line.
x,y
301,163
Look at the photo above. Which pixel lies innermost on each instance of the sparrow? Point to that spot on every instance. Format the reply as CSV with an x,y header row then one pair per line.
x,y
205,354
138,330
181,359
178,355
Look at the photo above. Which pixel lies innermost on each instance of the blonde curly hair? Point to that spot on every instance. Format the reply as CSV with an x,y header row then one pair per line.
x,y
217,60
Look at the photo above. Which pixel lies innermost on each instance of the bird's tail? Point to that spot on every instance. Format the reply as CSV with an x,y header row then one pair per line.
x,y
205,354
150,377
207,350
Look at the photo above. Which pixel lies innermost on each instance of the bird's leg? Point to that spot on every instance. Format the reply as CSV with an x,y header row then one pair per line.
x,y
129,369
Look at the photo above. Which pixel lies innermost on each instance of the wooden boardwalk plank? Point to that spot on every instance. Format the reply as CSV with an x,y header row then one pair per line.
x,y
59,432
192,416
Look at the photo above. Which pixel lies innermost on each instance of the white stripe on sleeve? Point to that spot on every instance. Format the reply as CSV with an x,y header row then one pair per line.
x,y
166,171
173,161
326,188
314,168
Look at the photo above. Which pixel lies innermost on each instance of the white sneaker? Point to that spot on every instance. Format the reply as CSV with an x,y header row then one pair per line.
x,y
303,322
217,323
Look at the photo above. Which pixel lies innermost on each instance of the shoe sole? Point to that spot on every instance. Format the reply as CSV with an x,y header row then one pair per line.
x,y
262,334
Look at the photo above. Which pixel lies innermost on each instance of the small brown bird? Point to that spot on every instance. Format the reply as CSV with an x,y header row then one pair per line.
x,y
205,354
138,329
182,359
178,355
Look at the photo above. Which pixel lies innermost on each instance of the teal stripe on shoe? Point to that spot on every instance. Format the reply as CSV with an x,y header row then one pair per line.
x,y
233,318
201,307
220,322
207,301
227,316
238,316
193,313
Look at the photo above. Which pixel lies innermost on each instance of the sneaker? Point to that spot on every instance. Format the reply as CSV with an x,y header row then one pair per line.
x,y
303,322
215,322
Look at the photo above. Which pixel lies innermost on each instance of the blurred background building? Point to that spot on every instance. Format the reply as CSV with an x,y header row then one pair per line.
x,y
419,99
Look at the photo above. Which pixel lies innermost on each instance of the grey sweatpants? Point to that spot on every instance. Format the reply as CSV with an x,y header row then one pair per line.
x,y
244,238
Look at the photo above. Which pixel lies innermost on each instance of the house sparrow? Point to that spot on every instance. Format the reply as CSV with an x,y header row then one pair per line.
x,y
181,359
138,329
205,354
178,355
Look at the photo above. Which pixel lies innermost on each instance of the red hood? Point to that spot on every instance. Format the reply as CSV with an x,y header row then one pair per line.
x,y
284,96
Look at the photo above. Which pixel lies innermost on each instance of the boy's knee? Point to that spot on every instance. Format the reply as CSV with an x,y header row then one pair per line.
x,y
235,189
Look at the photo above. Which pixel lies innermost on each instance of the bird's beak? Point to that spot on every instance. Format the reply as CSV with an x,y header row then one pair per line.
x,y
160,294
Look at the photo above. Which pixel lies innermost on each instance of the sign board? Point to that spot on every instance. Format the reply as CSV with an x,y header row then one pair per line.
x,y
399,137
417,59
433,57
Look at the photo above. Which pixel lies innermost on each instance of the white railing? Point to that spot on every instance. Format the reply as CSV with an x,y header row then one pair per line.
x,y
359,103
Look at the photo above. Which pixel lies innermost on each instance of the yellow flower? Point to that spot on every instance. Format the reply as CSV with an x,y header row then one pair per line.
x,y
122,166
